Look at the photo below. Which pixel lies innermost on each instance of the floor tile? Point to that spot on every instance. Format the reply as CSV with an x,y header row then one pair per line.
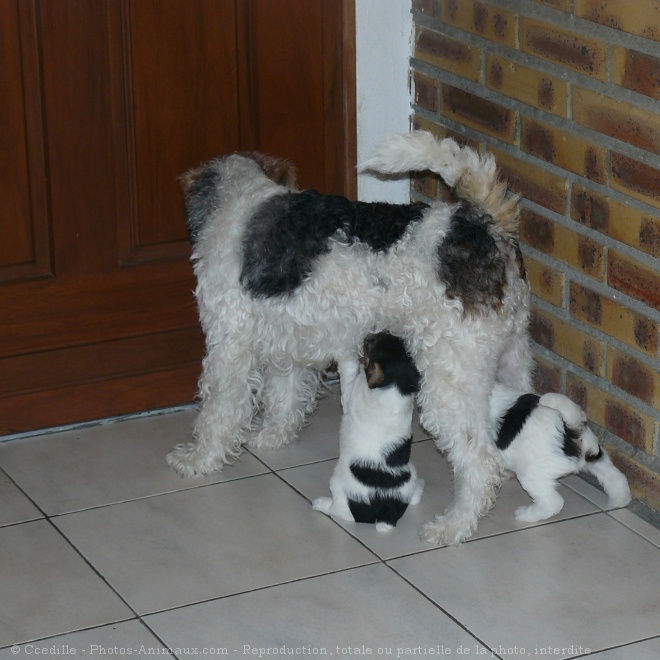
x,y
130,638
584,488
312,481
640,651
16,507
192,545
89,467
318,441
365,608
630,520
47,588
578,583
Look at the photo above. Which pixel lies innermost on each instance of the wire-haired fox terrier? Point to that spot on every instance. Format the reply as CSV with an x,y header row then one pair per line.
x,y
544,438
374,480
289,280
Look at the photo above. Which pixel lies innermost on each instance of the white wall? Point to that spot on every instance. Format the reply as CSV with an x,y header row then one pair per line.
x,y
383,48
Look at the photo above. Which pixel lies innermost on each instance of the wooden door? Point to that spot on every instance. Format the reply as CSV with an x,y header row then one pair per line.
x,y
105,104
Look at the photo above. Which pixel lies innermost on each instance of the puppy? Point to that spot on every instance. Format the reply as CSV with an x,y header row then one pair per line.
x,y
544,438
374,480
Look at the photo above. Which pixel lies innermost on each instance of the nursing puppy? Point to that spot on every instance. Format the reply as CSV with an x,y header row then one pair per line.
x,y
544,438
374,480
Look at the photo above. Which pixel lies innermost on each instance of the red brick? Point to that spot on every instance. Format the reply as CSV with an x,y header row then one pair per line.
x,y
634,279
426,91
637,71
635,178
547,376
633,376
618,119
478,113
570,49
641,17
533,183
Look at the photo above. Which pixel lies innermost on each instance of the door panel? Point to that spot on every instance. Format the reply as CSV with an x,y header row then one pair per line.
x,y
109,103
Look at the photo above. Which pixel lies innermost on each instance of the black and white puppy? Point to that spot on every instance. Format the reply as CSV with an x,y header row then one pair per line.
x,y
544,438
374,480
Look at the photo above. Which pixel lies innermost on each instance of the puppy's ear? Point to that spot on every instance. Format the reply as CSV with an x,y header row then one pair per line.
x,y
375,375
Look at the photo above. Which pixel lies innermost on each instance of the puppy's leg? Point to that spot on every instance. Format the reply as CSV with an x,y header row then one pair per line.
x,y
287,398
227,388
417,494
547,501
336,506
457,416
613,481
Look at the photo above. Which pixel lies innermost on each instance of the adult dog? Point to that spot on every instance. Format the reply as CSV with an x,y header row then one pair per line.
x,y
290,280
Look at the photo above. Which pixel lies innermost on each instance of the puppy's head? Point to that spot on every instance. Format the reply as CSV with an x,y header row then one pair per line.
x,y
387,363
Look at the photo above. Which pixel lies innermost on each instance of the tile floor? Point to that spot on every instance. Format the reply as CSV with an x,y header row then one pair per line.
x,y
106,552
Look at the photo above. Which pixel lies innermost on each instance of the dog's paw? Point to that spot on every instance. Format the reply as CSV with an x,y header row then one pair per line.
x,y
444,530
384,527
323,504
188,461
269,439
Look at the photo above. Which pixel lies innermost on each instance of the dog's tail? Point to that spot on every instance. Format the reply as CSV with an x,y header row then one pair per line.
x,y
474,177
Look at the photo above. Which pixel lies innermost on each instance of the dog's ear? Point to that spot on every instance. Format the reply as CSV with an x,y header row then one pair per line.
x,y
280,170
375,375
187,179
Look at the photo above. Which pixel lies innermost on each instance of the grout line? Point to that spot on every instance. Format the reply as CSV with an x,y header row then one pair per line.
x,y
443,610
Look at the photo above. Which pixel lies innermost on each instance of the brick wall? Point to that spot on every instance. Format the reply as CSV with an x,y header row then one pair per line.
x,y
566,94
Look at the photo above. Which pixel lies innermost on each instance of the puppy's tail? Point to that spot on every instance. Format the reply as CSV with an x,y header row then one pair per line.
x,y
474,177
598,462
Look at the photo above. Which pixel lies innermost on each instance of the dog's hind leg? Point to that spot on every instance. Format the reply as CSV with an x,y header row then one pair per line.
x,y
228,386
287,398
459,421
515,366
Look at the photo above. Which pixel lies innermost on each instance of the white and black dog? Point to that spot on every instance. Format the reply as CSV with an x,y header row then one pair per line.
x,y
544,438
289,280
374,480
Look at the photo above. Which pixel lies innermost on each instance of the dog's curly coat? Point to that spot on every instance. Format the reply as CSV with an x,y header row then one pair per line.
x,y
290,280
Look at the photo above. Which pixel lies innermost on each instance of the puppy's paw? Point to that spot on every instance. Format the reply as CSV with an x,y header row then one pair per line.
x,y
323,504
384,527
531,514
417,495
188,461
444,530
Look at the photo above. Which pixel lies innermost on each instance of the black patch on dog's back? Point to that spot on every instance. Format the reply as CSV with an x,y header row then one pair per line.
x,y
514,419
381,225
471,264
399,455
570,446
379,509
200,200
289,231
379,479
